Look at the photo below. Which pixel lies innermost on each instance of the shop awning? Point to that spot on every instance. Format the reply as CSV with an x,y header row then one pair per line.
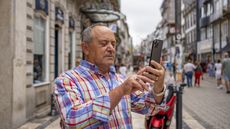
x,y
102,15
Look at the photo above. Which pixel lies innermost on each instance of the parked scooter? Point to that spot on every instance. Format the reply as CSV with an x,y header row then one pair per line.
x,y
162,120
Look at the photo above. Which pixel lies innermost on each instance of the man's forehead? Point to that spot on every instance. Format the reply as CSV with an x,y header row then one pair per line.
x,y
102,29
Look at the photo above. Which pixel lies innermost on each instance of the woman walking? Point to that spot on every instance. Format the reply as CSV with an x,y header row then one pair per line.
x,y
218,67
198,74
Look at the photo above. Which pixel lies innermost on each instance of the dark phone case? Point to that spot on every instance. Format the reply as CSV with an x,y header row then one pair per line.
x,y
156,51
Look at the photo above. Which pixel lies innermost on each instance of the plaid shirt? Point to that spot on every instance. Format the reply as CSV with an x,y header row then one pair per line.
x,y
82,96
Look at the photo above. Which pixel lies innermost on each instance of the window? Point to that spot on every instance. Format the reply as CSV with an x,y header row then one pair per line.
x,y
216,33
194,17
203,33
203,12
190,20
186,22
209,32
192,36
225,33
224,30
209,9
186,38
195,36
39,67
70,52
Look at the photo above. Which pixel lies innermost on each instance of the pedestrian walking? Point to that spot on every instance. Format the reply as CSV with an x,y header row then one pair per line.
x,y
123,70
211,69
170,80
93,95
218,67
183,74
198,74
202,64
226,71
189,68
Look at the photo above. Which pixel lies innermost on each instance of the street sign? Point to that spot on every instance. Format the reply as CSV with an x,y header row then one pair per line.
x,y
178,36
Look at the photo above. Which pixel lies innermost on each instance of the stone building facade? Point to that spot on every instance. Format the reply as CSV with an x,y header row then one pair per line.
x,y
213,30
39,40
220,21
39,45
189,14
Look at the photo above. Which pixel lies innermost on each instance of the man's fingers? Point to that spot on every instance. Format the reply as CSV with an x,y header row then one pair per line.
x,y
146,79
152,71
144,86
141,71
156,65
137,86
151,76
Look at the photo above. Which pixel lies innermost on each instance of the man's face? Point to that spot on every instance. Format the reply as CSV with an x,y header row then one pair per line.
x,y
101,51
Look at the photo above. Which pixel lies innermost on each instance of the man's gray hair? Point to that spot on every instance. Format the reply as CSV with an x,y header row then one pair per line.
x,y
87,33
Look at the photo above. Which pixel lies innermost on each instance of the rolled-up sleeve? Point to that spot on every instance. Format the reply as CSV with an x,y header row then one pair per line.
x,y
74,111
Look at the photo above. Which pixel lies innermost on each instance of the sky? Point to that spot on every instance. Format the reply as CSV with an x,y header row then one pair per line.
x,y
142,17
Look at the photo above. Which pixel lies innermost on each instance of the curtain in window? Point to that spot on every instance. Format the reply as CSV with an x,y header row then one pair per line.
x,y
39,49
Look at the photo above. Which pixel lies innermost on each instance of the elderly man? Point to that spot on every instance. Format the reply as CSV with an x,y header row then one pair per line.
x,y
93,95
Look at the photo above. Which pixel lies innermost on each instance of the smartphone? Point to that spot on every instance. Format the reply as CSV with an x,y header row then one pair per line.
x,y
156,51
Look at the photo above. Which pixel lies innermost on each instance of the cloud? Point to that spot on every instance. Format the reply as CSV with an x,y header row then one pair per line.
x,y
142,17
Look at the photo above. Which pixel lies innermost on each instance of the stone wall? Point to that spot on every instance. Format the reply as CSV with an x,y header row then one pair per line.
x,y
6,66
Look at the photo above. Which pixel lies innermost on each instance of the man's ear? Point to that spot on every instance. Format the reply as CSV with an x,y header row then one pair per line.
x,y
85,48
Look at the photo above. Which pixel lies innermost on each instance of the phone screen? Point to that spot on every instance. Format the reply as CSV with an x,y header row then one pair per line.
x,y
156,51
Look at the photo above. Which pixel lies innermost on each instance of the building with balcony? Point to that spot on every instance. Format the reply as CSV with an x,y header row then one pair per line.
x,y
168,26
220,22
204,30
189,28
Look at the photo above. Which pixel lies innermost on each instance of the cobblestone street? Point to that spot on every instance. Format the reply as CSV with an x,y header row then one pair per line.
x,y
208,105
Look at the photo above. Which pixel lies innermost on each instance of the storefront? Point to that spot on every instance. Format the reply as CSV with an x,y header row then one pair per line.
x,y
204,50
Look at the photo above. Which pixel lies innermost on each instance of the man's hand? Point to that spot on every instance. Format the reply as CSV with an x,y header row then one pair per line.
x,y
138,82
156,74
131,84
135,82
